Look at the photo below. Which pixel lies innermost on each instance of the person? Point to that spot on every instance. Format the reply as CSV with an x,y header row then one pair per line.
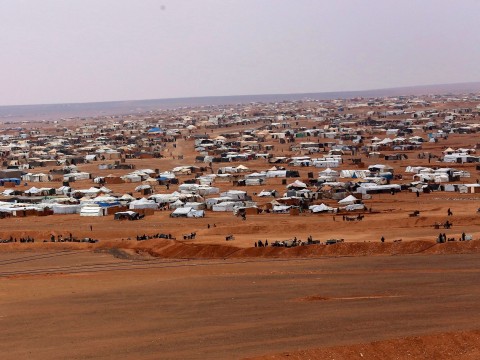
x,y
463,236
382,239
91,228
266,242
255,244
418,193
449,212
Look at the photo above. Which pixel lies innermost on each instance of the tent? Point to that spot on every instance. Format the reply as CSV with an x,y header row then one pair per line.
x,y
126,197
92,210
154,130
235,194
187,212
241,168
281,209
127,215
297,184
321,208
266,193
32,190
350,199
226,205
143,204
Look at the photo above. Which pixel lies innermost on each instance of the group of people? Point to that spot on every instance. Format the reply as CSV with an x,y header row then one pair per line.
x,y
60,238
443,238
260,243
11,239
155,236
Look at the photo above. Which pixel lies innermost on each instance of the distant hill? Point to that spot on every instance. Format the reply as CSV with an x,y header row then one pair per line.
x,y
56,111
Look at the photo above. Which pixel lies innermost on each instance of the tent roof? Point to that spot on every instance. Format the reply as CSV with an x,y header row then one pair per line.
x,y
349,198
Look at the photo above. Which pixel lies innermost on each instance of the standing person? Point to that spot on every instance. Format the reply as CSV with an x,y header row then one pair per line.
x,y
91,228
382,239
418,193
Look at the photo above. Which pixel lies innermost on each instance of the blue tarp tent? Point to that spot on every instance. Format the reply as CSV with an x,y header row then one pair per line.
x,y
155,130
16,181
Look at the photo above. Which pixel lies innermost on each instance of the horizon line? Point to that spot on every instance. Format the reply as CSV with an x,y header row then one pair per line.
x,y
247,95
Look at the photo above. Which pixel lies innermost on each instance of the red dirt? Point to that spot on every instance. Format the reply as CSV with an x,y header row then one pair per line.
x,y
444,346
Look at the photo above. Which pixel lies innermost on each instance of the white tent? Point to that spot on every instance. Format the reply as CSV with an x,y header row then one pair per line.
x,y
350,199
76,176
142,187
176,204
328,172
297,184
254,182
105,198
143,204
353,207
187,212
276,173
63,190
66,209
241,168
32,190
92,210
226,206
320,208
131,178
126,197
281,209
235,194
266,193
196,205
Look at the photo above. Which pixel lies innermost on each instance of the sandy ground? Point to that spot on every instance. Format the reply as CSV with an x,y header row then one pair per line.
x,y
93,305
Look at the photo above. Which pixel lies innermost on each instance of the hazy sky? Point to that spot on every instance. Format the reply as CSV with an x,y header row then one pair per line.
x,y
55,51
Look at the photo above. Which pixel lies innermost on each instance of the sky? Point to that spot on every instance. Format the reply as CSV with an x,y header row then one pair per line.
x,y
59,51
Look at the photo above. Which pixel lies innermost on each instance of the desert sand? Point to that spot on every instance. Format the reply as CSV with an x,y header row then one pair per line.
x,y
119,305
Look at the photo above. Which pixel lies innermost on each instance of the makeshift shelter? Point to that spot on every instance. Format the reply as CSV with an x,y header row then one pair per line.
x,y
93,210
297,184
127,215
143,204
187,212
321,208
62,209
350,199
